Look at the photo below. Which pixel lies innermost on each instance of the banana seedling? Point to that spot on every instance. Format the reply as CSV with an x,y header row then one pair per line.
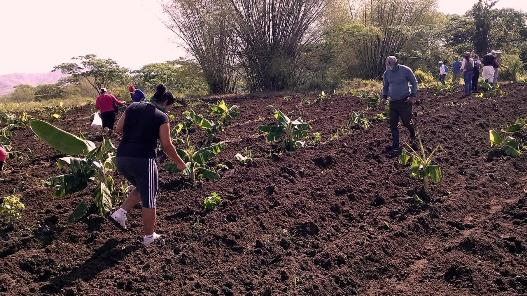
x,y
506,140
421,165
224,112
88,163
210,127
197,161
291,133
358,120
212,201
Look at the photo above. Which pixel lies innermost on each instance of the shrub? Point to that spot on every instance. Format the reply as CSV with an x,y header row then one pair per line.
x,y
424,77
10,208
513,67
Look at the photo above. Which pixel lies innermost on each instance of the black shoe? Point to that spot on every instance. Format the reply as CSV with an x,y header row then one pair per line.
x,y
414,146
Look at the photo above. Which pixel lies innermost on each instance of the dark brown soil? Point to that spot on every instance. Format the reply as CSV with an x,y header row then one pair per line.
x,y
334,219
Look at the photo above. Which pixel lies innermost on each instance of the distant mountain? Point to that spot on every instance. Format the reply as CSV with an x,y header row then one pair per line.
x,y
9,81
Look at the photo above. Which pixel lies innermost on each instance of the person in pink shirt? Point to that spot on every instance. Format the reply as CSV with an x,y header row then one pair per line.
x,y
3,157
107,104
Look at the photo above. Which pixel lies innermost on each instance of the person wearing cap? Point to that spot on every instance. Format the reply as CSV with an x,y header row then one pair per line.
x,y
142,125
443,69
107,104
467,67
3,157
136,94
400,86
489,61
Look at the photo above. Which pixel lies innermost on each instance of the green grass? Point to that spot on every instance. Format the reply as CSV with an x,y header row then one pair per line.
x,y
353,86
35,106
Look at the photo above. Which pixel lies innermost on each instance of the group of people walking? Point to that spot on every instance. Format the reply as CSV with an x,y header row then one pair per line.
x,y
471,68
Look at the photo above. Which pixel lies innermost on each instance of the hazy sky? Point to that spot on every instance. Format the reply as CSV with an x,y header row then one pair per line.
x,y
37,34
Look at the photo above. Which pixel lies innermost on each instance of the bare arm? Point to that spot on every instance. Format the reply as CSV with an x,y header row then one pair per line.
x,y
120,124
168,147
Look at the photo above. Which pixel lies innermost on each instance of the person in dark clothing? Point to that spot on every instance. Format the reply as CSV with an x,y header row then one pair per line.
x,y
400,85
468,73
142,125
477,71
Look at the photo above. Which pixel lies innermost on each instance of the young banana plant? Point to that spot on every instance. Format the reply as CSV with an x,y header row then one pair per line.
x,y
224,112
291,133
88,163
197,161
506,141
210,127
421,165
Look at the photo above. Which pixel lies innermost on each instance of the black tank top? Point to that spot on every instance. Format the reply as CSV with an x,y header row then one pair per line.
x,y
141,130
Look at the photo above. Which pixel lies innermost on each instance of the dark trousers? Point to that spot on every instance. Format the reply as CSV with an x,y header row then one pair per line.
x,y
442,78
403,110
475,81
108,119
467,77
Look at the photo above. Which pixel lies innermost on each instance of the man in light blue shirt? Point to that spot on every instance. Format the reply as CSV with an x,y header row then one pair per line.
x,y
400,85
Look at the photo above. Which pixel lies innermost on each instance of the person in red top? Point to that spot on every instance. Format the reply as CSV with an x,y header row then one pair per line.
x,y
107,104
3,157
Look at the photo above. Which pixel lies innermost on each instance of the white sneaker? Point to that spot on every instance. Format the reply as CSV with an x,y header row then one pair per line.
x,y
119,217
149,239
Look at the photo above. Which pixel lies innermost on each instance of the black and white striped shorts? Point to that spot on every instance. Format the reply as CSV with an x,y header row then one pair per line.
x,y
142,173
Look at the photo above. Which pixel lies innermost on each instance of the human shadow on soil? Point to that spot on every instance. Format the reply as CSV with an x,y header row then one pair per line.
x,y
106,256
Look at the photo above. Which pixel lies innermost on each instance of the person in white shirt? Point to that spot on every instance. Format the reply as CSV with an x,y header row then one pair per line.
x,y
442,72
467,66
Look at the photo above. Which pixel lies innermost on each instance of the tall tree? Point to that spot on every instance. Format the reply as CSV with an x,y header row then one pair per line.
x,y
96,71
482,14
205,28
398,21
270,34
182,76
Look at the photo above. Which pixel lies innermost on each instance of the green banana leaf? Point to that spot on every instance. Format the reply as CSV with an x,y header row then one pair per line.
x,y
281,117
80,212
272,131
496,139
434,173
68,184
208,174
103,198
61,140
405,157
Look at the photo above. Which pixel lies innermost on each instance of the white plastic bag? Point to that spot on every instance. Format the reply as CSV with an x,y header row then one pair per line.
x,y
97,121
